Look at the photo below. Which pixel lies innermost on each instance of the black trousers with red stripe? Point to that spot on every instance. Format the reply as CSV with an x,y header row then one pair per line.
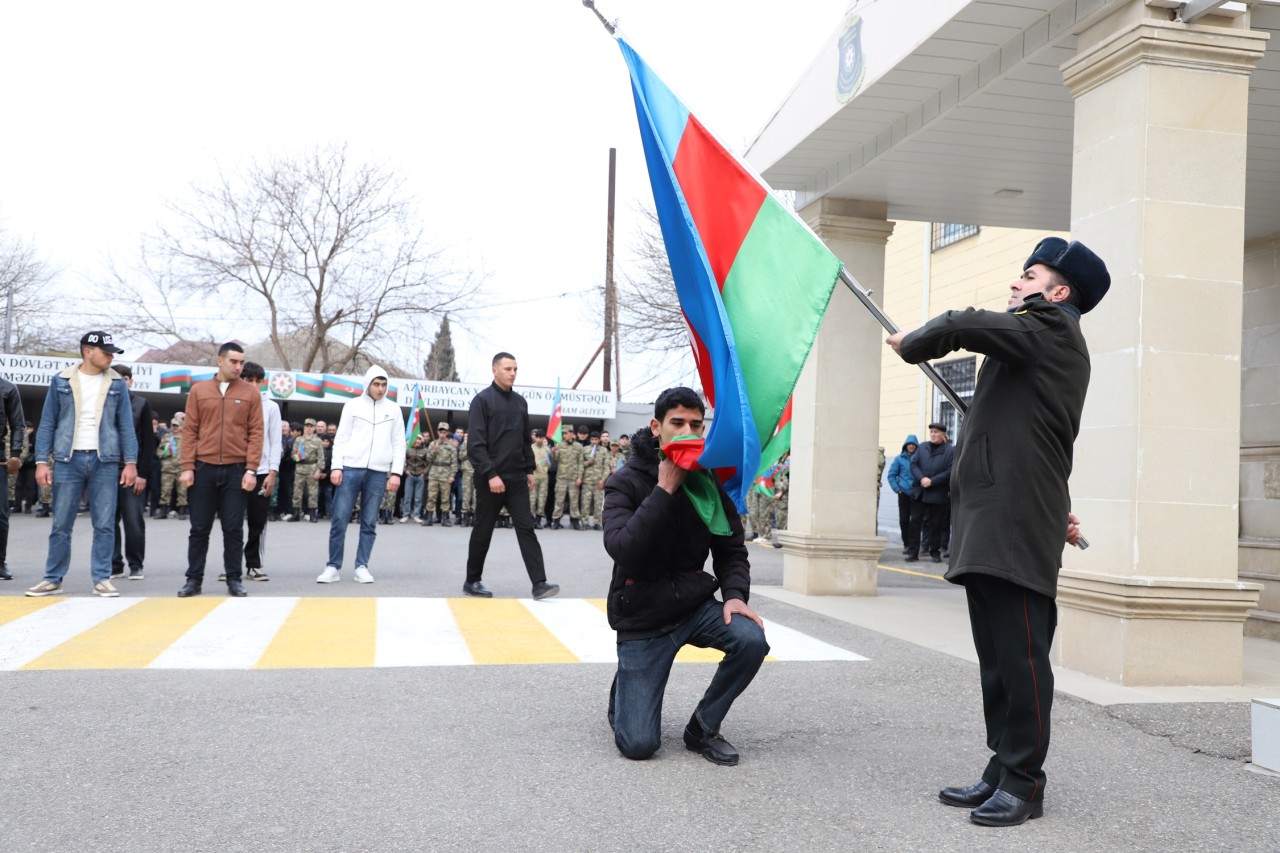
x,y
1012,631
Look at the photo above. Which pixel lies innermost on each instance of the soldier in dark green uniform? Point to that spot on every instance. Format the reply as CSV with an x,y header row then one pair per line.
x,y
1011,504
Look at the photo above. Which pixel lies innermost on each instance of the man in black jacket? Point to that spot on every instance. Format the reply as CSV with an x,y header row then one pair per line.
x,y
13,426
931,511
501,453
131,500
1012,506
660,523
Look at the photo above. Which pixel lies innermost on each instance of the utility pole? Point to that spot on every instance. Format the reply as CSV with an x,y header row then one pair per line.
x,y
610,292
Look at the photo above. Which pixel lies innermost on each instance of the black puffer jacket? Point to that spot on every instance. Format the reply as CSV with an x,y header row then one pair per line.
x,y
659,545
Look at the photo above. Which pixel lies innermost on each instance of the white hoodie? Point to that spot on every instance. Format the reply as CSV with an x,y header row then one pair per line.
x,y
370,434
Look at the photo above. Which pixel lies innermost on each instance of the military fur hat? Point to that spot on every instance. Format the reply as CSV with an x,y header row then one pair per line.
x,y
1084,271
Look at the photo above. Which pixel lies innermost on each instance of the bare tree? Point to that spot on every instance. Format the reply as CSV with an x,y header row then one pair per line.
x,y
25,281
318,243
649,315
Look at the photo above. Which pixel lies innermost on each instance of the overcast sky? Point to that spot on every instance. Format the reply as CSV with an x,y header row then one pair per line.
x,y
499,116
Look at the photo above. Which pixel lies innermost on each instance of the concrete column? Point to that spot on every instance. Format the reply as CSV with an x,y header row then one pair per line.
x,y
1158,190
831,546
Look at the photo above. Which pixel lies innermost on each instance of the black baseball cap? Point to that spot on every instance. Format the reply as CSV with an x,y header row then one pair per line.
x,y
102,341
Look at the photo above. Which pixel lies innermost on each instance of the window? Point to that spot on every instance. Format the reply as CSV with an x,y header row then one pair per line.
x,y
961,374
946,233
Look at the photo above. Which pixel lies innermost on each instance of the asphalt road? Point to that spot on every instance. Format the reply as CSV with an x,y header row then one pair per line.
x,y
836,755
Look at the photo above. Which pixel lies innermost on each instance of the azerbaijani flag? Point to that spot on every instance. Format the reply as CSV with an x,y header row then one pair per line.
x,y
418,418
778,445
752,279
308,385
340,387
179,379
554,425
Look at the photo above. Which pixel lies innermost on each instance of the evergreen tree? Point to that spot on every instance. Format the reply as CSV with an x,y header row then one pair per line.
x,y
440,364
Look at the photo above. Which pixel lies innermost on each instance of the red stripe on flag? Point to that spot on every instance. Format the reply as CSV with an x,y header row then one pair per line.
x,y
723,197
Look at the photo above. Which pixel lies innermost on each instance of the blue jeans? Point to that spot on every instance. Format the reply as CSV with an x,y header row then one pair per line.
x,y
414,487
369,485
84,470
644,666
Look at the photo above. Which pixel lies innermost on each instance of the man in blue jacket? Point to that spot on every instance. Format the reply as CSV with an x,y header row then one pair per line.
x,y
87,426
904,486
931,469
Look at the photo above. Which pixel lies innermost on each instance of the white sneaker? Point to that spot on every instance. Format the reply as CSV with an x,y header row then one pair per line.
x,y
288,516
403,519
329,575
760,540
362,575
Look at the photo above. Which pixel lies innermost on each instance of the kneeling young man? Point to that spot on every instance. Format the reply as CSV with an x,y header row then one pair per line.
x,y
660,523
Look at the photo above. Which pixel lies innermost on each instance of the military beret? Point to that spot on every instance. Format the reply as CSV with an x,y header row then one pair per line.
x,y
1084,271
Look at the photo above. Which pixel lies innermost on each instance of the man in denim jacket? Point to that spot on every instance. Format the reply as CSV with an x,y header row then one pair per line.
x,y
87,426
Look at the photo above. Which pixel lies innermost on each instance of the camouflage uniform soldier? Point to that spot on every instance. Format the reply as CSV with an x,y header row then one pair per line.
x,y
760,511
568,471
308,457
416,465
444,468
170,453
879,478
387,508
781,488
468,484
594,472
541,471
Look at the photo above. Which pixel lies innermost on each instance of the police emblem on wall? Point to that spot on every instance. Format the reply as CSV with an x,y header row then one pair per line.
x,y
281,384
852,67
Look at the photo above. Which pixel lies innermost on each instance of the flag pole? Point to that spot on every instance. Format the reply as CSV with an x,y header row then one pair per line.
x,y
612,28
864,296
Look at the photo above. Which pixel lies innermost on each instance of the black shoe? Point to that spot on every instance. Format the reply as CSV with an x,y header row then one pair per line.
x,y
477,589
430,522
537,524
556,525
1004,809
4,573
936,558
448,522
235,589
714,748
117,573
43,511
542,590
911,558
573,523
596,527
315,519
182,515
189,589
946,555
967,798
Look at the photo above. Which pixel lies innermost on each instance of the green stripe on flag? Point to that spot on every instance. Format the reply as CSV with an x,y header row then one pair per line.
x,y
775,296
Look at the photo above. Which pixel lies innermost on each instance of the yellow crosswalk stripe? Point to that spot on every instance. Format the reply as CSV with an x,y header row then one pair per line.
x,y
16,608
502,630
325,632
131,639
314,633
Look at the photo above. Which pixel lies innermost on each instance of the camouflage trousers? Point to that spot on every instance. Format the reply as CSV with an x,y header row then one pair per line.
x,y
781,512
438,494
468,491
591,501
760,509
169,482
538,497
305,486
567,499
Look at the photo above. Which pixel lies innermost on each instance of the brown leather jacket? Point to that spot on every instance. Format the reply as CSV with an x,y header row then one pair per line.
x,y
221,430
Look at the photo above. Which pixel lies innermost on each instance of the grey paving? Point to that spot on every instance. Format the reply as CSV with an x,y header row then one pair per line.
x,y
836,756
